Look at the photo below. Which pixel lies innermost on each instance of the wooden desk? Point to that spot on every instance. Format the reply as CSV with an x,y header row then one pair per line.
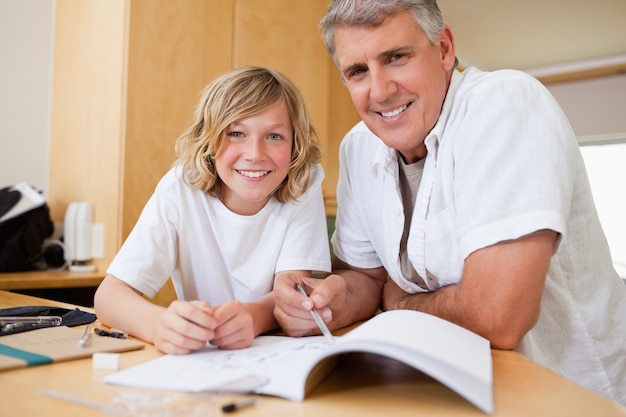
x,y
362,385
49,279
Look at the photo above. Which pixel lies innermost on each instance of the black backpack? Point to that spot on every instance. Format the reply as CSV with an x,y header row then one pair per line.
x,y
22,236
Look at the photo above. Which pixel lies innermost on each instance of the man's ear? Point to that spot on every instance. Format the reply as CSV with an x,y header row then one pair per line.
x,y
446,48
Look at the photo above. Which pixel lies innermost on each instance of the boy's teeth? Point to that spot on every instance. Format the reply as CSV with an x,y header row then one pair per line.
x,y
253,174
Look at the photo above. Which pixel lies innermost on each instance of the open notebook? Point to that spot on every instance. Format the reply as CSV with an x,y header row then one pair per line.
x,y
291,367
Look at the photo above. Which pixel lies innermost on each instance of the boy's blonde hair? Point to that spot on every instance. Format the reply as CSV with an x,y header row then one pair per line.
x,y
237,94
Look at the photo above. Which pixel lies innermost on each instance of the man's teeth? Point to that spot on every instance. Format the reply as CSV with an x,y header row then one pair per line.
x,y
395,112
253,174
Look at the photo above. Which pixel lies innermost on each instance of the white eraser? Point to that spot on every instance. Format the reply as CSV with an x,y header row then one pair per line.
x,y
105,360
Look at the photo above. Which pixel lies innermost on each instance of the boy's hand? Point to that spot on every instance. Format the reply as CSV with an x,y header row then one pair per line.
x,y
185,326
235,326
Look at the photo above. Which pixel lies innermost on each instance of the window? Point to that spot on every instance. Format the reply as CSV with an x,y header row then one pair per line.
x,y
605,160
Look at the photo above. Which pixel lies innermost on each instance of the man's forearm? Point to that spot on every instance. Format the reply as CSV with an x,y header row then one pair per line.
x,y
445,302
438,303
363,294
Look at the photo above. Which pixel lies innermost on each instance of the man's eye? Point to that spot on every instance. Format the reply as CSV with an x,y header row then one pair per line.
x,y
355,73
399,57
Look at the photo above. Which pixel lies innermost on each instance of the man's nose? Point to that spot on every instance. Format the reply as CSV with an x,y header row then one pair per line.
x,y
382,85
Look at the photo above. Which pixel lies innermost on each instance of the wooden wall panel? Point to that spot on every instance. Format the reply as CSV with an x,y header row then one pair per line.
x,y
88,104
127,76
282,34
342,116
175,49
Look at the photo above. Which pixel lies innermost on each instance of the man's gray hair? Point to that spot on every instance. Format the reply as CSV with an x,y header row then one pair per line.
x,y
373,12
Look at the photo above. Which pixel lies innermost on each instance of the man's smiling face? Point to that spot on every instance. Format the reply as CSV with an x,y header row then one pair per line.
x,y
397,79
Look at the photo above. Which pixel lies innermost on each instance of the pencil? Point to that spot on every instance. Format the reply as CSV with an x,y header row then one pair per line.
x,y
318,320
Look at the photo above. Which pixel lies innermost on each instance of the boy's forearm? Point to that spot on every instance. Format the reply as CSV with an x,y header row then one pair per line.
x,y
262,312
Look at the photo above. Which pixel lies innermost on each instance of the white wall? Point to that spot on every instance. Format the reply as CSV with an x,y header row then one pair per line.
x,y
594,107
26,50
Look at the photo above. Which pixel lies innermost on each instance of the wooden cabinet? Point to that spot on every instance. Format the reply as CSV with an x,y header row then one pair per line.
x,y
128,73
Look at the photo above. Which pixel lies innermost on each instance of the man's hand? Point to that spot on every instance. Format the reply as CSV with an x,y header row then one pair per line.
x,y
292,309
342,298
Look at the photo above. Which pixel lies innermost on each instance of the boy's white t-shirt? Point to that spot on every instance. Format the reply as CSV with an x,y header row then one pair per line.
x,y
215,255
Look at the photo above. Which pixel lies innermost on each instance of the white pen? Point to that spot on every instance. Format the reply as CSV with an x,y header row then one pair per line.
x,y
84,341
318,320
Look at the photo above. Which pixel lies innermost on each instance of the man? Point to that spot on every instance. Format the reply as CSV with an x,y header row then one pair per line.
x,y
467,190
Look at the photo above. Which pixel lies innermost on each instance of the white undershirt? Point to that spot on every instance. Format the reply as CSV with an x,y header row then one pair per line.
x,y
410,176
